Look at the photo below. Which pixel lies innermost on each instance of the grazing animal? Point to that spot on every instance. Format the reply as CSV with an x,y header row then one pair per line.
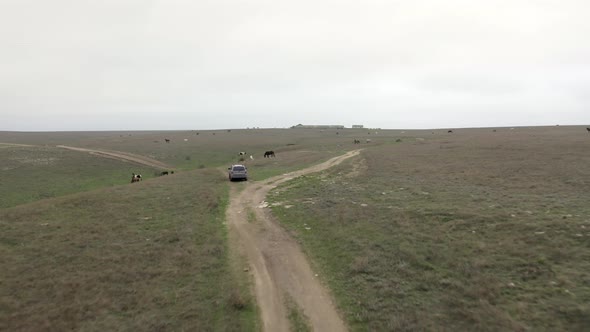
x,y
251,158
357,141
135,177
368,140
242,153
269,154
588,129
167,140
164,173
450,131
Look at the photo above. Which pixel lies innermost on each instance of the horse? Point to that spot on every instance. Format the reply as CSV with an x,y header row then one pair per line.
x,y
167,140
269,154
135,177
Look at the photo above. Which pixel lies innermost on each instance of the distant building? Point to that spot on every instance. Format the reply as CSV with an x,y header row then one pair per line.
x,y
301,126
357,126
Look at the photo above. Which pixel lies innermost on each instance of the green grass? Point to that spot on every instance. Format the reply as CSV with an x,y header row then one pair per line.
x,y
147,256
211,148
42,171
28,174
464,233
470,231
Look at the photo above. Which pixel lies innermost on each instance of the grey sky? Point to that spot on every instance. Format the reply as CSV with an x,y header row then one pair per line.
x,y
203,64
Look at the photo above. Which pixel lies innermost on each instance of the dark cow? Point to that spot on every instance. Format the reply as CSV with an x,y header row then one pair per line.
x,y
135,177
450,131
269,154
588,129
167,140
164,173
357,141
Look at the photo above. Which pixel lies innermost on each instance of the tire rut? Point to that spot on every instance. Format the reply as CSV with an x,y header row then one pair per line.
x,y
122,156
276,260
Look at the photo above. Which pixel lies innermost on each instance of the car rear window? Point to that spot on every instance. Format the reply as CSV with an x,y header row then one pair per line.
x,y
239,168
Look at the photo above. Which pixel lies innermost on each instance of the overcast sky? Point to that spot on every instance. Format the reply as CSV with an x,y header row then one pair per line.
x,y
207,64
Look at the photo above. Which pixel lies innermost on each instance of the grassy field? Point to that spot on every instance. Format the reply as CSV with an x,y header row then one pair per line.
x,y
31,173
143,257
210,148
82,249
475,230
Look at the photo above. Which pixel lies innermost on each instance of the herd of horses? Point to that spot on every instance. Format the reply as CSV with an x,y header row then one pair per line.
x,y
267,154
137,177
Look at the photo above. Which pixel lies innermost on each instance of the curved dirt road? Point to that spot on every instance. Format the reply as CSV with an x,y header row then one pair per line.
x,y
276,261
124,156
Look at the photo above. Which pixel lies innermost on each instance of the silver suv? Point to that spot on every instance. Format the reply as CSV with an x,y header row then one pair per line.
x,y
238,172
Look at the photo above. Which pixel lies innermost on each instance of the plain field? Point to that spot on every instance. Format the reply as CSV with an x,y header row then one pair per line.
x,y
426,230
475,230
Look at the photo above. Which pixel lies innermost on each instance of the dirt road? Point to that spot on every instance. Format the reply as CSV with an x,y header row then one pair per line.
x,y
124,156
14,144
276,261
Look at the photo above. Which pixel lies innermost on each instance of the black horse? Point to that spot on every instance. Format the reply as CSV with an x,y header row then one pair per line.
x,y
269,154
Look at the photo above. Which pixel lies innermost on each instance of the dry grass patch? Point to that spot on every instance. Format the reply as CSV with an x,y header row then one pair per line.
x,y
469,232
30,173
147,256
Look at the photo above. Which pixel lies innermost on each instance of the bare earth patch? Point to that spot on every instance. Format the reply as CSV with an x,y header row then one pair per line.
x,y
277,264
124,156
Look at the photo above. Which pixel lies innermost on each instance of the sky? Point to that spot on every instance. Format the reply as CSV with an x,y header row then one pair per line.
x,y
215,64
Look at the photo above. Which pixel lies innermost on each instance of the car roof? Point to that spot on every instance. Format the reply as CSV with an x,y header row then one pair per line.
x,y
238,165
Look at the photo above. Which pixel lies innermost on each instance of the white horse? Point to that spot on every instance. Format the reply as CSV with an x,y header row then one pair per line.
x,y
135,177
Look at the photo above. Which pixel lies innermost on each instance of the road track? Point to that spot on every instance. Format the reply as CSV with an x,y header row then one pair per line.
x,y
123,156
275,259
